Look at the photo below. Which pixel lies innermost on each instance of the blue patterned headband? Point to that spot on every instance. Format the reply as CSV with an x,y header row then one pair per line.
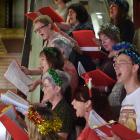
x,y
132,54
122,45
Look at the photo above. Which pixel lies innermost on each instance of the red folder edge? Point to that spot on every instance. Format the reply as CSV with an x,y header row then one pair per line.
x,y
16,132
99,78
51,13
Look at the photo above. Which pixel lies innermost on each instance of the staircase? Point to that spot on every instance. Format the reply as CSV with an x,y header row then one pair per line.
x,y
11,42
4,63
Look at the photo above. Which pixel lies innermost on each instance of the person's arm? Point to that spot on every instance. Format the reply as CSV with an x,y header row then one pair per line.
x,y
36,71
63,25
33,86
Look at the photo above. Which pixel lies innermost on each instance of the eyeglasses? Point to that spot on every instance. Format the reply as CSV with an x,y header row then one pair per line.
x,y
38,29
121,63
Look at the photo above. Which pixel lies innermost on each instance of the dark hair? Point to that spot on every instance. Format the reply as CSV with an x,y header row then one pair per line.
x,y
65,1
54,57
110,31
82,94
81,12
123,8
123,4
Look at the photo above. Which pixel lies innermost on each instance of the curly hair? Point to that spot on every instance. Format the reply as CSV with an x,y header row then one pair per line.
x,y
110,31
81,12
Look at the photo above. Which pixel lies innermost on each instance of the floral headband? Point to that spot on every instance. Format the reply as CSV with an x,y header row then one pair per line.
x,y
54,76
133,54
122,45
43,125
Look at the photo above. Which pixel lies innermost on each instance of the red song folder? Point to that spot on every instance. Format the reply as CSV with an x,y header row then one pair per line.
x,y
49,11
87,42
99,78
120,130
15,131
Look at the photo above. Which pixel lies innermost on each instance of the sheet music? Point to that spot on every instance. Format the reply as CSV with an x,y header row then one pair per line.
x,y
11,98
81,69
17,77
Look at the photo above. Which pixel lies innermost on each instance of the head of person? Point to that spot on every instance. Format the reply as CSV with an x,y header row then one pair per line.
x,y
43,26
51,57
64,45
61,1
77,13
118,9
127,66
55,83
43,124
82,102
109,35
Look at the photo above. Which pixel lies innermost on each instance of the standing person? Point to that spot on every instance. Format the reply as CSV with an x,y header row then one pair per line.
x,y
43,26
118,11
84,104
62,6
127,67
109,36
54,84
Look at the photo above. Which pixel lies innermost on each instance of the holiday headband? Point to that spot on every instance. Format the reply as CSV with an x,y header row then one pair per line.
x,y
132,54
122,45
51,51
44,125
110,27
54,76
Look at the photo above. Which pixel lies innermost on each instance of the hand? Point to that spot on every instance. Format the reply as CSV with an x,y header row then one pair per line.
x,y
33,86
25,70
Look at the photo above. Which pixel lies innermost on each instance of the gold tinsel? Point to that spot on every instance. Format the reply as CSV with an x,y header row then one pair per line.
x,y
44,126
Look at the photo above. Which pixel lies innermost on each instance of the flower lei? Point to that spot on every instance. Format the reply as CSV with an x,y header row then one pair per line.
x,y
43,125
58,81
122,45
133,54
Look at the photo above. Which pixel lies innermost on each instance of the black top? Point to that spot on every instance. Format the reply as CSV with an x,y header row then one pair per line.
x,y
126,30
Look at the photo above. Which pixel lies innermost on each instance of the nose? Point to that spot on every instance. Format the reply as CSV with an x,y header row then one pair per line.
x,y
73,102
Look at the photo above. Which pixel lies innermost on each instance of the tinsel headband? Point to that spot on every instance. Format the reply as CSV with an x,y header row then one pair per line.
x,y
122,45
54,76
44,125
132,54
51,51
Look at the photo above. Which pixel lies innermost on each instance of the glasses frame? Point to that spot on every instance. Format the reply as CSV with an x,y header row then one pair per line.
x,y
121,63
38,29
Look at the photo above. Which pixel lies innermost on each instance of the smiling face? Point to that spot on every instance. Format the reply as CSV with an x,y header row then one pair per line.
x,y
124,68
107,42
42,30
44,63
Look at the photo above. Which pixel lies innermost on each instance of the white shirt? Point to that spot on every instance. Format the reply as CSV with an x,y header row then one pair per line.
x,y
130,111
